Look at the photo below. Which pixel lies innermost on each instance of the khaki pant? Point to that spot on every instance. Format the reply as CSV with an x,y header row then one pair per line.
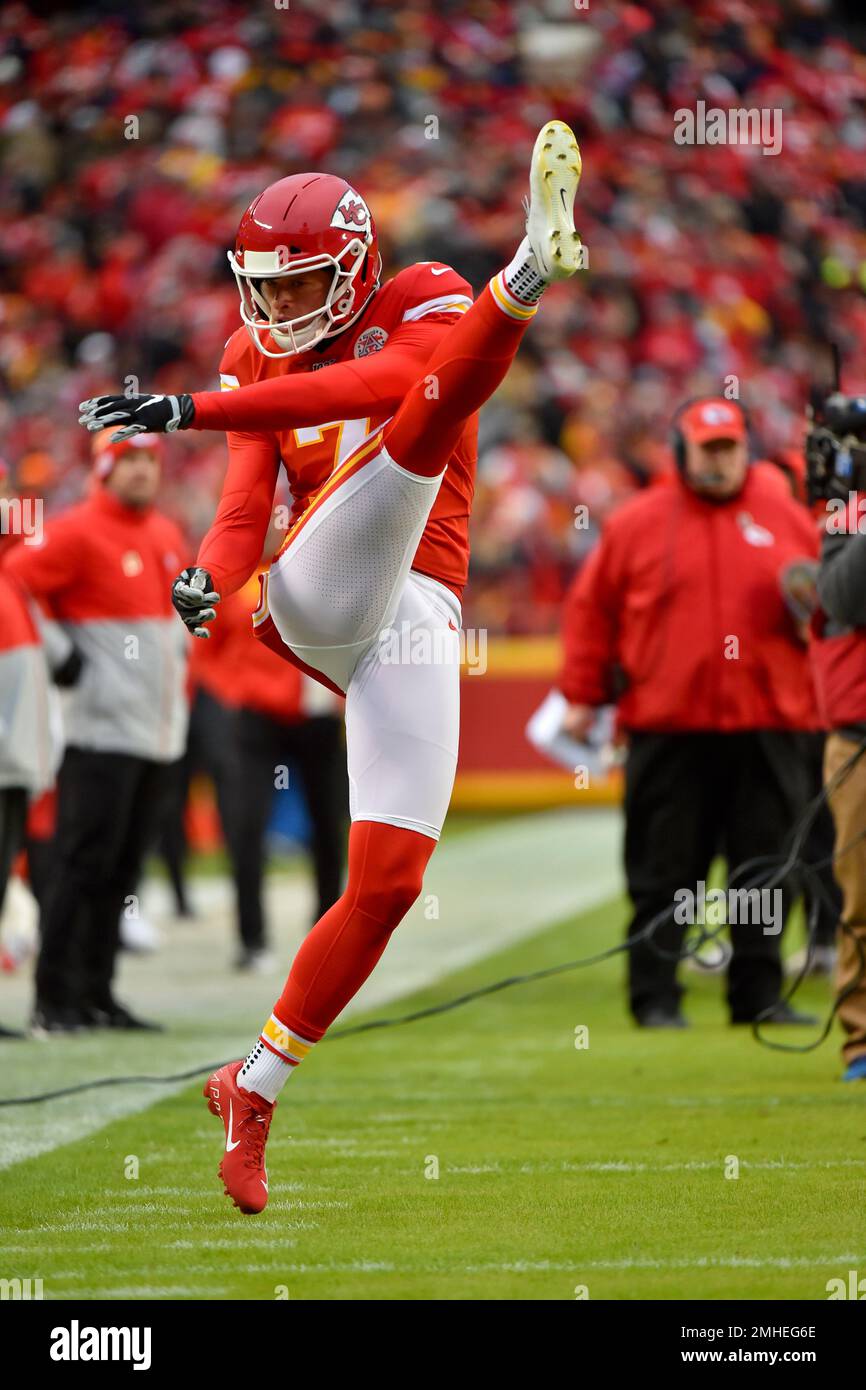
x,y
848,804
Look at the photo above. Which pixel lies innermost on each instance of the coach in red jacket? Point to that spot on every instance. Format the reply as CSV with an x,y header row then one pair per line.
x,y
679,617
104,573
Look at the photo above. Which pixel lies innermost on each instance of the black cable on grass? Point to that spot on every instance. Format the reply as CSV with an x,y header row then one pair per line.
x,y
350,1031
111,1081
783,867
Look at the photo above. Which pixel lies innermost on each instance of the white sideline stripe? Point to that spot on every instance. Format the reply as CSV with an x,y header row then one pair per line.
x,y
700,1262
153,1291
138,1194
574,1268
696,1166
625,1101
537,1266
494,887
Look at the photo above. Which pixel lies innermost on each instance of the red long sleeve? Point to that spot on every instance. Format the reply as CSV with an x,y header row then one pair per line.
x,y
589,634
232,548
46,569
372,386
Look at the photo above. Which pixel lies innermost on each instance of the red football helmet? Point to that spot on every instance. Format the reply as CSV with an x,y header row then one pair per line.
x,y
302,223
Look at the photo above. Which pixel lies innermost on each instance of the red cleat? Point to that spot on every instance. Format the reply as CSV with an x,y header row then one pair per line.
x,y
247,1119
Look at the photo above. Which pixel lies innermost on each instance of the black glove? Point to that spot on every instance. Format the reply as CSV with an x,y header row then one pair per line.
x,y
139,414
67,674
194,595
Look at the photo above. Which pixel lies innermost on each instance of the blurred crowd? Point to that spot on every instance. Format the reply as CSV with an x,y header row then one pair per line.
x,y
132,139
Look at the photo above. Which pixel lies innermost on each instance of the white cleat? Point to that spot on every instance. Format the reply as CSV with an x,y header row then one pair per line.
x,y
554,175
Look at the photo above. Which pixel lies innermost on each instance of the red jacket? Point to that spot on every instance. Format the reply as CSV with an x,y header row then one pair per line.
x,y
18,626
104,571
25,732
680,608
839,670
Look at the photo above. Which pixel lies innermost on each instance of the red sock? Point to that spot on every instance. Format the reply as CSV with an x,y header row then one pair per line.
x,y
464,371
386,869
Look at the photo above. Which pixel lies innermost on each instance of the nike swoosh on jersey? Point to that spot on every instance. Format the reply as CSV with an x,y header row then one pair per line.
x,y
442,270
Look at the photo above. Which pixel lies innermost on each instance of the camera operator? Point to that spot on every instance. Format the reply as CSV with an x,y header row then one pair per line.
x,y
836,463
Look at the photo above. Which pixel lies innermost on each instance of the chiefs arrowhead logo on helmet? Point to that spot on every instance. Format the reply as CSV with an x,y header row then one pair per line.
x,y
351,213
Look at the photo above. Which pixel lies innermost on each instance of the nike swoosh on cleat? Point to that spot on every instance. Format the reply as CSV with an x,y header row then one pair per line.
x,y
229,1144
564,202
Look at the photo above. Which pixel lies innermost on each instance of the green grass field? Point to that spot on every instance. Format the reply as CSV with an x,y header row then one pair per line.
x,y
558,1167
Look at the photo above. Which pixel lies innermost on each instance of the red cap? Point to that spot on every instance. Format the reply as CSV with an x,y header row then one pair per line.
x,y
106,454
715,418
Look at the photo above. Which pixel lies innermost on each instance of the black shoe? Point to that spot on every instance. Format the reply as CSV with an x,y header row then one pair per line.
x,y
49,1020
119,1017
10,1033
657,1016
90,1017
782,1013
114,1015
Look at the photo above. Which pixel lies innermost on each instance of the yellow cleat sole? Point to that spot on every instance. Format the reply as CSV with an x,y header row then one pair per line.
x,y
553,182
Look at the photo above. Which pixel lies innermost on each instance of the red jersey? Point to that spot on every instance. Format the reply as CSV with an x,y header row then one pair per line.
x,y
309,412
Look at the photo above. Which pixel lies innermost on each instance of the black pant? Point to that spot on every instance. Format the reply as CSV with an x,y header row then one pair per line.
x,y
171,842
209,750
825,907
315,747
689,797
108,809
40,867
13,815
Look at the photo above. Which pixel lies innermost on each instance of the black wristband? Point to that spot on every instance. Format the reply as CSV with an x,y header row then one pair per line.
x,y
187,411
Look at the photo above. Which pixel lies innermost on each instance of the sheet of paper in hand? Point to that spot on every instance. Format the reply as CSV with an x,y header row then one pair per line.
x,y
544,732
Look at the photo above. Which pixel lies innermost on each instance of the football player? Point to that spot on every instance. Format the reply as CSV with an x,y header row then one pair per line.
x,y
367,395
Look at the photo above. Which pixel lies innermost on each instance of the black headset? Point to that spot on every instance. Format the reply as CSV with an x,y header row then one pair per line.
x,y
678,439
